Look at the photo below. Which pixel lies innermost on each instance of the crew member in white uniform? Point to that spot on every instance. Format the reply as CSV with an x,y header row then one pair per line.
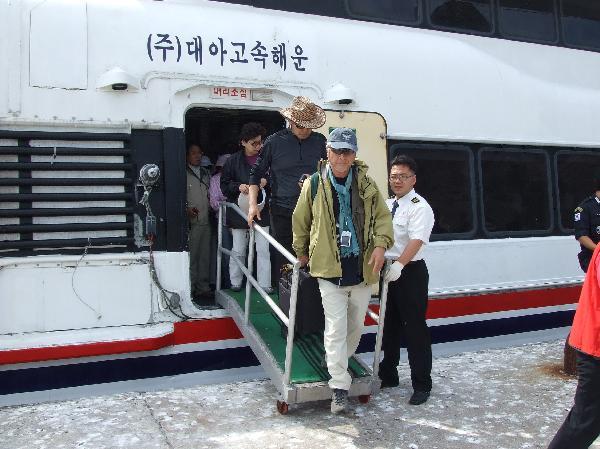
x,y
408,278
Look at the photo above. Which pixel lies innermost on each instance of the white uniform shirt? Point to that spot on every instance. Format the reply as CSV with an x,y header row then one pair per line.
x,y
413,220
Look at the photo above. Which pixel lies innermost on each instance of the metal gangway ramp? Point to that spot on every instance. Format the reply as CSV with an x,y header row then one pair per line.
x,y
295,364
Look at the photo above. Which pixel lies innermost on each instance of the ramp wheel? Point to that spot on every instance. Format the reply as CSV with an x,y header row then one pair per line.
x,y
282,407
364,398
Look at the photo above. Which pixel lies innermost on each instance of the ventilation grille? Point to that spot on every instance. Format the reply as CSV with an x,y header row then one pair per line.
x,y
61,196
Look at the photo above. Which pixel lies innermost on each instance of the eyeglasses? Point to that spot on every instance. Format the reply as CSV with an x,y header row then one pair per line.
x,y
400,177
256,143
341,151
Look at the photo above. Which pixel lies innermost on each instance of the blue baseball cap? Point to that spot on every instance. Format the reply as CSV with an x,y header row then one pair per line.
x,y
342,139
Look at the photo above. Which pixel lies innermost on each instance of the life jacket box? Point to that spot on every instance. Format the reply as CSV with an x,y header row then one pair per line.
x,y
310,317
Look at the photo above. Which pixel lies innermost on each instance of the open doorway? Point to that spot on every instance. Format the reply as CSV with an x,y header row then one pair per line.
x,y
217,131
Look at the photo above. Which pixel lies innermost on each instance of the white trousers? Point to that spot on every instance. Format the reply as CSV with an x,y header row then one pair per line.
x,y
345,309
263,258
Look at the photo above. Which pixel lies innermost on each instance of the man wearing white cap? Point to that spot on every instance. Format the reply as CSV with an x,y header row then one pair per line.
x,y
341,230
197,208
287,156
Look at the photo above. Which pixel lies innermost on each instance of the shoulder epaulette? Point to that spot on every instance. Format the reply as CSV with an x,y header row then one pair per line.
x,y
416,200
579,209
589,198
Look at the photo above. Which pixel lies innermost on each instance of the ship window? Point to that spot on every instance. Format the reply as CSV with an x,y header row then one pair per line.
x,y
328,8
575,173
532,20
461,15
581,23
445,180
515,191
392,11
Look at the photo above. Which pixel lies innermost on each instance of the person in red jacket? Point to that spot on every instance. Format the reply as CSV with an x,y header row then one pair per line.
x,y
582,424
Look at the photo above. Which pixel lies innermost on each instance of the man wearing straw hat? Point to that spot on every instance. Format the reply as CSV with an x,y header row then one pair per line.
x,y
288,156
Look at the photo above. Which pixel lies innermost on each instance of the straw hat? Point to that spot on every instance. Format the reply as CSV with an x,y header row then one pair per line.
x,y
305,113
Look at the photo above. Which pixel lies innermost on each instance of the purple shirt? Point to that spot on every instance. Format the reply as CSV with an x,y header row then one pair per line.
x,y
214,192
252,159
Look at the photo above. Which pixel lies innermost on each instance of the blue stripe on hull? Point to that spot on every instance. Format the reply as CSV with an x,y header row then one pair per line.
x,y
90,373
79,374
449,333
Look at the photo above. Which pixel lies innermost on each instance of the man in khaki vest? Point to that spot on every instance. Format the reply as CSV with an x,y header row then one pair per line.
x,y
198,183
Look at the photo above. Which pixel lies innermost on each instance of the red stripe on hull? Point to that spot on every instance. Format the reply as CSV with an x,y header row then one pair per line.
x,y
195,331
497,302
84,350
200,331
502,302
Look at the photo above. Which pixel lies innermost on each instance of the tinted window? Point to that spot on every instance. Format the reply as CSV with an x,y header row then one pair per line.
x,y
462,15
581,23
444,179
575,172
394,11
330,8
515,191
528,19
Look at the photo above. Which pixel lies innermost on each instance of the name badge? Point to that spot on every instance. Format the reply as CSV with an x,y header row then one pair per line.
x,y
345,238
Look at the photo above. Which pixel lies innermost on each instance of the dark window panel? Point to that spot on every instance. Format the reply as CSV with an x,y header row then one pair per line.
x,y
533,20
462,15
581,23
515,191
391,11
237,2
575,173
444,179
328,8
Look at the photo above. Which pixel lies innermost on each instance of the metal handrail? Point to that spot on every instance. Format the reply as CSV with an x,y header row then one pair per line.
x,y
247,270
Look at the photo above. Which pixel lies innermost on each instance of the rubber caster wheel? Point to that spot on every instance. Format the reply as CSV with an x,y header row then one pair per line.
x,y
364,398
282,407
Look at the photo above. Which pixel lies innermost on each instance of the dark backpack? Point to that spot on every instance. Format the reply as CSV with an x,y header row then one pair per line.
x,y
314,185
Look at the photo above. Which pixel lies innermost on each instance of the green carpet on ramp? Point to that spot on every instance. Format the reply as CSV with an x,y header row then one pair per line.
x,y
308,355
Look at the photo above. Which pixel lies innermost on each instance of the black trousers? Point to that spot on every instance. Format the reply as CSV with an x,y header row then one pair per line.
x,y
281,229
582,424
405,322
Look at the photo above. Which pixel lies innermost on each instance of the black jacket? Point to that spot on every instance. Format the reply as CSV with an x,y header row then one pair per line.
x,y
236,171
286,158
587,222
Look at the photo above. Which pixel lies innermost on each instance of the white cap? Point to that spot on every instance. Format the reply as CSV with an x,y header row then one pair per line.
x,y
222,159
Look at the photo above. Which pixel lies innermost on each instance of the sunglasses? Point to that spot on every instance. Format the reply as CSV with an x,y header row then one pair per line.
x,y
341,151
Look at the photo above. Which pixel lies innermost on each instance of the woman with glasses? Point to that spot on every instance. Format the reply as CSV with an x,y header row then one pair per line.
x,y
234,182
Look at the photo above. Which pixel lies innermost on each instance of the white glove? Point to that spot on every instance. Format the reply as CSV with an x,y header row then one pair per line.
x,y
393,272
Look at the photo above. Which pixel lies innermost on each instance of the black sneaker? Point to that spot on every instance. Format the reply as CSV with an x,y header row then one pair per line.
x,y
339,400
419,397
